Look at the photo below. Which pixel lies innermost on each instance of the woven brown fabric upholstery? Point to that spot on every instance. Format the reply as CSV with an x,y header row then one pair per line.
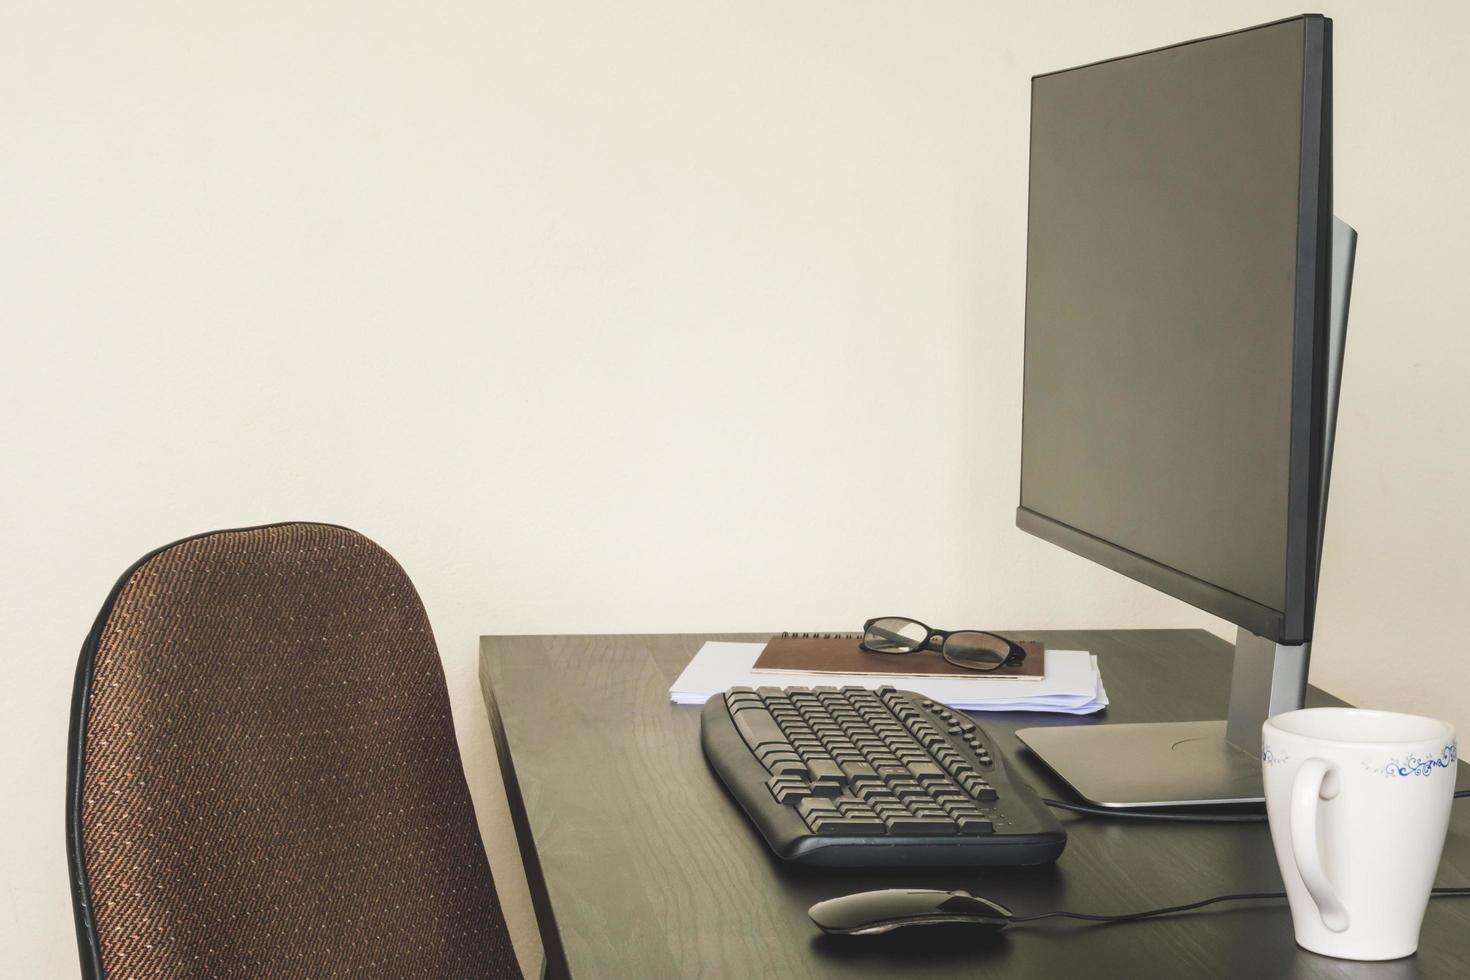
x,y
267,781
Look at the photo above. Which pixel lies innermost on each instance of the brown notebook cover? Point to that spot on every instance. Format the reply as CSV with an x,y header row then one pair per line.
x,y
839,653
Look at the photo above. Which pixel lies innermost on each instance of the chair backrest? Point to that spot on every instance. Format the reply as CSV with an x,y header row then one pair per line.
x,y
263,779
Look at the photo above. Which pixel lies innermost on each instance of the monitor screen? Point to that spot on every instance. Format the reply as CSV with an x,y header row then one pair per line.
x,y
1162,308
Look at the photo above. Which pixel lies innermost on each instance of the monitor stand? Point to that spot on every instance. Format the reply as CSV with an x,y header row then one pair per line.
x,y
1196,763
1187,763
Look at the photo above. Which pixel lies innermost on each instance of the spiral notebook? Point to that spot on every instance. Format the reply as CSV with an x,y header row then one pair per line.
x,y
839,653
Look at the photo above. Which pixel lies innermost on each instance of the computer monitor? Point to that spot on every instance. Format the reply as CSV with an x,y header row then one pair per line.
x,y
1186,295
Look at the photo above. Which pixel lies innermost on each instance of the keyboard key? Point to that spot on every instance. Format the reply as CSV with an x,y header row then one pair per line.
x,y
921,769
775,752
788,791
814,807
758,728
974,825
847,826
790,795
927,826
978,787
825,770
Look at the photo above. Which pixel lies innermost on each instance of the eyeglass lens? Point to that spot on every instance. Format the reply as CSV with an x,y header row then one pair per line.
x,y
978,651
895,635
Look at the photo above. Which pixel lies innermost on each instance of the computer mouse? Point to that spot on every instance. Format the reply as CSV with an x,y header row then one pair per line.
x,y
869,913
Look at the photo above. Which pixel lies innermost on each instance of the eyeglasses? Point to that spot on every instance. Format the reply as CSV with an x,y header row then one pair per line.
x,y
971,649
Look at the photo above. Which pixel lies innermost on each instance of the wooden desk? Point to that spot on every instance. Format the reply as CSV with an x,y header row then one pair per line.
x,y
641,865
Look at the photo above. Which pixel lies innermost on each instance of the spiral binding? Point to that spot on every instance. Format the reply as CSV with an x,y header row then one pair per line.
x,y
821,636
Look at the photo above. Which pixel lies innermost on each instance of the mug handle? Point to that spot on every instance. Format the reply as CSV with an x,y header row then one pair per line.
x,y
1316,780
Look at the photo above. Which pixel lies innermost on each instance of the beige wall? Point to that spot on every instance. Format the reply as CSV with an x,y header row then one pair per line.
x,y
602,316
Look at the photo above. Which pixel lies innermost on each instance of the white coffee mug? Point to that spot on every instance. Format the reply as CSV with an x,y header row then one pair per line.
x,y
1359,803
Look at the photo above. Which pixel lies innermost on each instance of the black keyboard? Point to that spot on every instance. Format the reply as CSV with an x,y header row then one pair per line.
x,y
864,778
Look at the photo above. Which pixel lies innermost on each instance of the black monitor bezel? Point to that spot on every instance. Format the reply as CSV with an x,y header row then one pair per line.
x,y
1293,624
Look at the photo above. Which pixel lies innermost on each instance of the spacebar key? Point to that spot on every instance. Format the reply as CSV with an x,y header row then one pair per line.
x,y
758,728
939,826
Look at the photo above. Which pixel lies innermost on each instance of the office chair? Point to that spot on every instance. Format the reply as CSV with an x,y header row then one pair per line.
x,y
263,779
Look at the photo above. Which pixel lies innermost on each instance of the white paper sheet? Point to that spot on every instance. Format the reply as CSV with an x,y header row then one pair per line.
x,y
1072,684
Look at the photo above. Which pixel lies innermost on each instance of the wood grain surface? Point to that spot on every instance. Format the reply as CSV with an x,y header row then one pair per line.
x,y
642,866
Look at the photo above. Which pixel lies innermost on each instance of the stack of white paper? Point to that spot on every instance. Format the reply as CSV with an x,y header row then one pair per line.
x,y
1072,684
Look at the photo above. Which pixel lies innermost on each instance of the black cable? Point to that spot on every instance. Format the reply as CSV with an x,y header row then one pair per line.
x,y
1171,909
1101,811
1129,916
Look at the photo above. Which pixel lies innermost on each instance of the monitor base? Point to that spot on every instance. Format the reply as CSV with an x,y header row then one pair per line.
x,y
1172,764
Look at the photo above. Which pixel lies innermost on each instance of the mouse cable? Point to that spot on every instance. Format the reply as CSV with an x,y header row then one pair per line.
x,y
1102,811
1171,909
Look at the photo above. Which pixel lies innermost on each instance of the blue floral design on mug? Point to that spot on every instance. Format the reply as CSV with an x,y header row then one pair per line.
x,y
1270,757
1413,765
